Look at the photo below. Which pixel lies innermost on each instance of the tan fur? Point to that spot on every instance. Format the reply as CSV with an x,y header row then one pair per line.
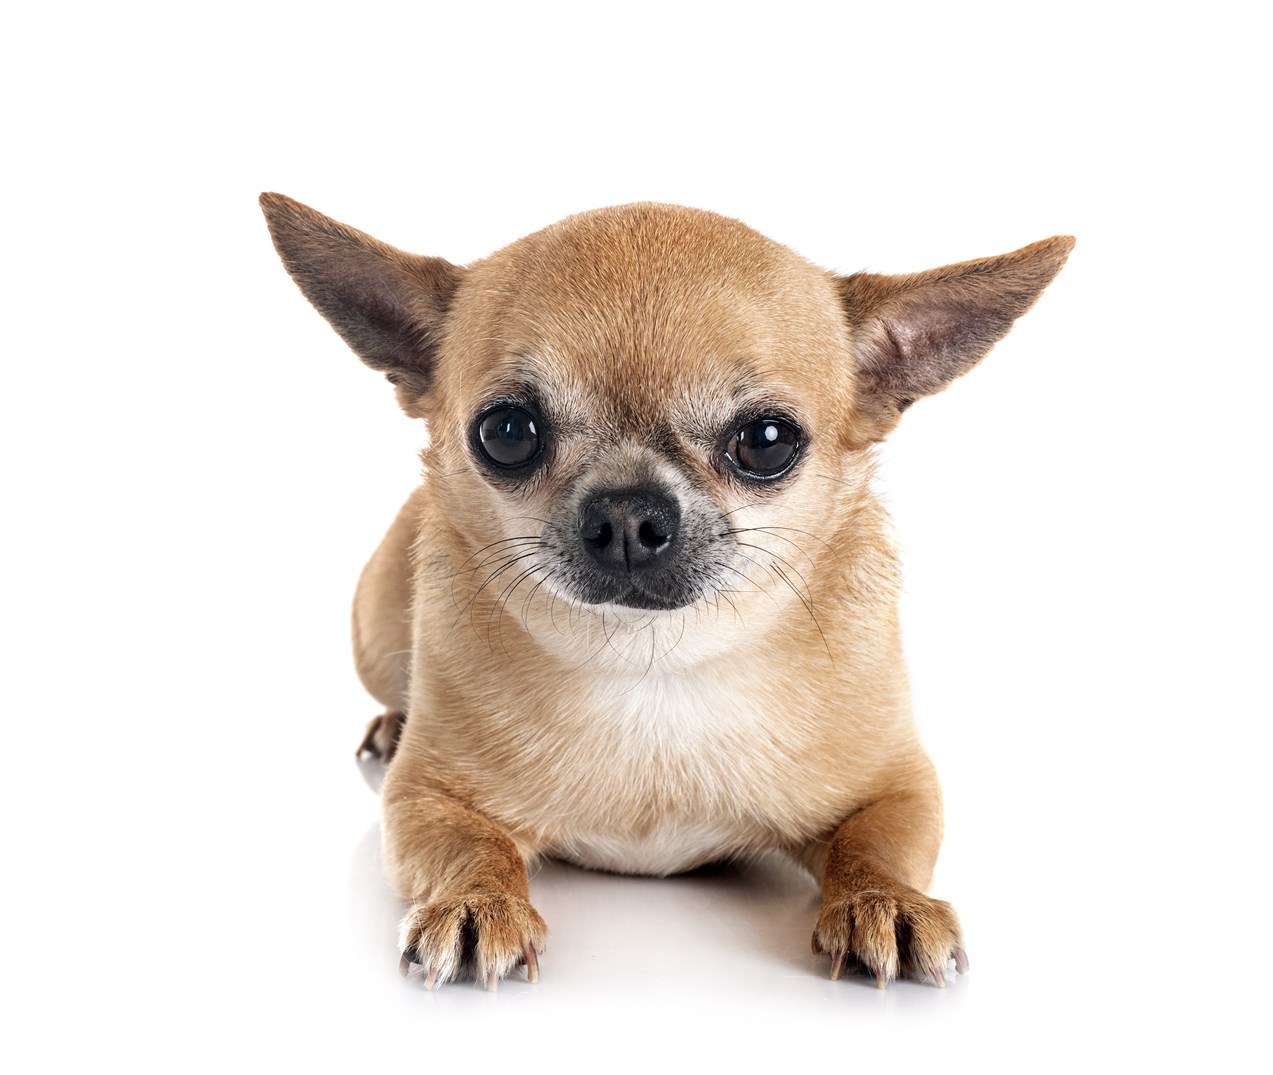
x,y
772,713
382,612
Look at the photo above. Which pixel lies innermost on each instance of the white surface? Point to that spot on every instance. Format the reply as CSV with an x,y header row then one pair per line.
x,y
196,468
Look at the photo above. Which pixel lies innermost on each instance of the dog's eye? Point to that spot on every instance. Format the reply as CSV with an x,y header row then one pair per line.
x,y
765,448
508,437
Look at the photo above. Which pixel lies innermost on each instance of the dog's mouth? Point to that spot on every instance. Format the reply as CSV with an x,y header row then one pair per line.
x,y
634,595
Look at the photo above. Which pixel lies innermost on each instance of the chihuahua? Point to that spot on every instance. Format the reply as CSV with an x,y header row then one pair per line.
x,y
641,615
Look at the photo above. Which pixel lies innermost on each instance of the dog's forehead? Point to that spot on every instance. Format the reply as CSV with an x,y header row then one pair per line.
x,y
633,306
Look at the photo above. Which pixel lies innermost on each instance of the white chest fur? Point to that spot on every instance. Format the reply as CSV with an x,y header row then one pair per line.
x,y
678,769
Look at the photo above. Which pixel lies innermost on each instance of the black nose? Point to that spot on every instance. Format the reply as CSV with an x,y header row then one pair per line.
x,y
629,530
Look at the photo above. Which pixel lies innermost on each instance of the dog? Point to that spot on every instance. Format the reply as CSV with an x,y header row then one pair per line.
x,y
641,615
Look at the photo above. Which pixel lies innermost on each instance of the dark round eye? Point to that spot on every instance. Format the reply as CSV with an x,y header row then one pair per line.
x,y
764,448
508,437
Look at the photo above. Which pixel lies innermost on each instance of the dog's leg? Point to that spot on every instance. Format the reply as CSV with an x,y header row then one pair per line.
x,y
382,629
466,880
873,871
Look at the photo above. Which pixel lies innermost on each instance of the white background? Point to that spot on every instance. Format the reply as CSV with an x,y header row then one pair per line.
x,y
195,468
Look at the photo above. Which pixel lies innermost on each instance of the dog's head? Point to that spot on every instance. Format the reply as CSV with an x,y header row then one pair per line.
x,y
648,408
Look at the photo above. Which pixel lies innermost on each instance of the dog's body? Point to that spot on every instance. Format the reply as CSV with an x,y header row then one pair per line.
x,y
646,758
641,615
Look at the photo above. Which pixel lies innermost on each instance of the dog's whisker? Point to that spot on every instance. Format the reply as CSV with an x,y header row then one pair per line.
x,y
756,587
502,603
516,541
531,596
808,608
765,530
471,606
609,637
679,639
774,530
506,566
722,594
500,560
514,544
786,563
649,664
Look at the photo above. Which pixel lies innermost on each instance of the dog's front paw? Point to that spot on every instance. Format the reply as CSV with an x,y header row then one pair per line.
x,y
890,931
491,932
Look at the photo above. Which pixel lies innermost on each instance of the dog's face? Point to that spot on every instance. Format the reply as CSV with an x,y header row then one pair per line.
x,y
636,414
648,409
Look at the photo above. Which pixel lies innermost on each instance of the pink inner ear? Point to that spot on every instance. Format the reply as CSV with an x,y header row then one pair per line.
x,y
915,334
366,304
387,305
934,341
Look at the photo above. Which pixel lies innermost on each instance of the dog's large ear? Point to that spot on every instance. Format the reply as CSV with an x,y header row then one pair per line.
x,y
388,305
914,334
